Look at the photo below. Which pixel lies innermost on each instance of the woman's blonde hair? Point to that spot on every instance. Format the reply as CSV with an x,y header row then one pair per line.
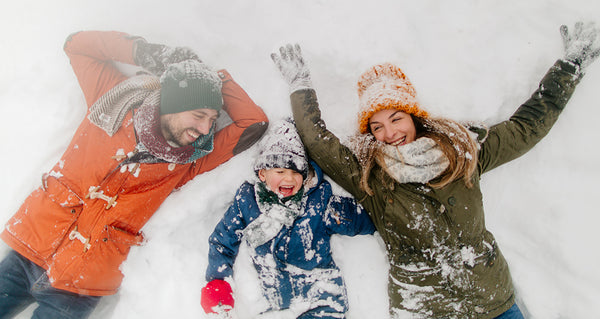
x,y
457,144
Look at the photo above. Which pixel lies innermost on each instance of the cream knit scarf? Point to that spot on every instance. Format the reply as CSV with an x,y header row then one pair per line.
x,y
416,162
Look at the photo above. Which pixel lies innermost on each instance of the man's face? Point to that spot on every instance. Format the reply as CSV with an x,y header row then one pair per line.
x,y
184,128
283,181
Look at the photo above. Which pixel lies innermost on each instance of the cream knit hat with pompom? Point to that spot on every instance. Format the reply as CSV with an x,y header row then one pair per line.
x,y
384,86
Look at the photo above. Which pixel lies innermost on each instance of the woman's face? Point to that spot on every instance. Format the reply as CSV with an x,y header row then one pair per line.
x,y
393,127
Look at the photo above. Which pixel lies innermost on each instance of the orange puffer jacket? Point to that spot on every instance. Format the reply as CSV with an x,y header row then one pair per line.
x,y
80,224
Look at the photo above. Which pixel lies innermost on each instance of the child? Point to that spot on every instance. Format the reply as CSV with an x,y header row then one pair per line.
x,y
287,218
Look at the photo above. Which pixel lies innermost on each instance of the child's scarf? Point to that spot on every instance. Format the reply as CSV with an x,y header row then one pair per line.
x,y
275,213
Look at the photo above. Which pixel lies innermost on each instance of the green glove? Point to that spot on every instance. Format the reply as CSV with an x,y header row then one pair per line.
x,y
157,57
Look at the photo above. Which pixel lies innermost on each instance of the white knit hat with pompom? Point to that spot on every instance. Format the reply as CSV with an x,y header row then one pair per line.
x,y
384,86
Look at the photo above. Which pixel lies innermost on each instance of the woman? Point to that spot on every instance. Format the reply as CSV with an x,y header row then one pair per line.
x,y
418,177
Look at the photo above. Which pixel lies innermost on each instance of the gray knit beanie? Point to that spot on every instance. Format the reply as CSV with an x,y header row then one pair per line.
x,y
189,85
283,149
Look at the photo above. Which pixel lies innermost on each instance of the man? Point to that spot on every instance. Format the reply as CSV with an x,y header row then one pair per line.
x,y
143,137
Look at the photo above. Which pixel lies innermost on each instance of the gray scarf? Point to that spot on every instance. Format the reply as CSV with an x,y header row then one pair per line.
x,y
110,109
142,92
416,162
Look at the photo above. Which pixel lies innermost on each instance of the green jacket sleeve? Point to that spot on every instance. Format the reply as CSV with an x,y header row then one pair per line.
x,y
532,120
336,160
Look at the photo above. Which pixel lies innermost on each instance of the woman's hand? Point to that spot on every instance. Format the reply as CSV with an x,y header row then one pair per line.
x,y
292,67
582,45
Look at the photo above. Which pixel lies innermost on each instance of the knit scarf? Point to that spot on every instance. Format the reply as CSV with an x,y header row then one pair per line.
x,y
146,121
142,93
110,109
275,213
416,162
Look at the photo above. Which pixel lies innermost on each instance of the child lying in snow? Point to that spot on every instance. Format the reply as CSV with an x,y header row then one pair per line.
x,y
287,218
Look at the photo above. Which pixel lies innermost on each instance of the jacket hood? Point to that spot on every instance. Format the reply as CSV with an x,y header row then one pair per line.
x,y
314,179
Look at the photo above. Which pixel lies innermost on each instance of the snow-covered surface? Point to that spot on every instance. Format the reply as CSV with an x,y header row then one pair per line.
x,y
469,60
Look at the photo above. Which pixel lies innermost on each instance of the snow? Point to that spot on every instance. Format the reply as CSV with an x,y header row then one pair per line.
x,y
468,60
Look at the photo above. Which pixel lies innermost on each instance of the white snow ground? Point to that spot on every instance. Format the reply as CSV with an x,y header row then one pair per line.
x,y
469,60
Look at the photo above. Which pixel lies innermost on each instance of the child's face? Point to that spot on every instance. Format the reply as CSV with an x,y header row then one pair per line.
x,y
283,181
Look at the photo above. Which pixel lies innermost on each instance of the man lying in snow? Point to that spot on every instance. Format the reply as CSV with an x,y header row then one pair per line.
x,y
143,137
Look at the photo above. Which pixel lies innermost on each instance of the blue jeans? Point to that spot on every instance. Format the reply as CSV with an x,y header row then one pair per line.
x,y
22,283
513,313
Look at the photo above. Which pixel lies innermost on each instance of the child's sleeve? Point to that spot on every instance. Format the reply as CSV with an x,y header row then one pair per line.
x,y
225,240
346,216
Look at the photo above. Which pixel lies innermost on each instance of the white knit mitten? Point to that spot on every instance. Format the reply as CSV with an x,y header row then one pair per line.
x,y
292,67
582,45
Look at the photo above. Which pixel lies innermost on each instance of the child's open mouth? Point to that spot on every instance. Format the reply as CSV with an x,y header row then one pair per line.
x,y
286,191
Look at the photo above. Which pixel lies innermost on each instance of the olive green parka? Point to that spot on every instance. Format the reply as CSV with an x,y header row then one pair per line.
x,y
444,263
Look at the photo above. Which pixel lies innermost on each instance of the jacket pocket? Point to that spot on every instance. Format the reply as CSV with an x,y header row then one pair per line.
x,y
45,218
122,239
99,271
419,275
60,193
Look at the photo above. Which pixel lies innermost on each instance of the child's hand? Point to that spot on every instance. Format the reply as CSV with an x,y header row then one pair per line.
x,y
217,297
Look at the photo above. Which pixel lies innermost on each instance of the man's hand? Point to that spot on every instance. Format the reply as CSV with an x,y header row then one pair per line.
x,y
291,64
582,45
156,57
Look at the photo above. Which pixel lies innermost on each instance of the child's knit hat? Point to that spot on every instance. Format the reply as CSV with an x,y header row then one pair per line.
x,y
282,149
384,86
190,85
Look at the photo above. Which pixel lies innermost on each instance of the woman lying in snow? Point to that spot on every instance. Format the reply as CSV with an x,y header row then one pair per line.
x,y
418,177
287,218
